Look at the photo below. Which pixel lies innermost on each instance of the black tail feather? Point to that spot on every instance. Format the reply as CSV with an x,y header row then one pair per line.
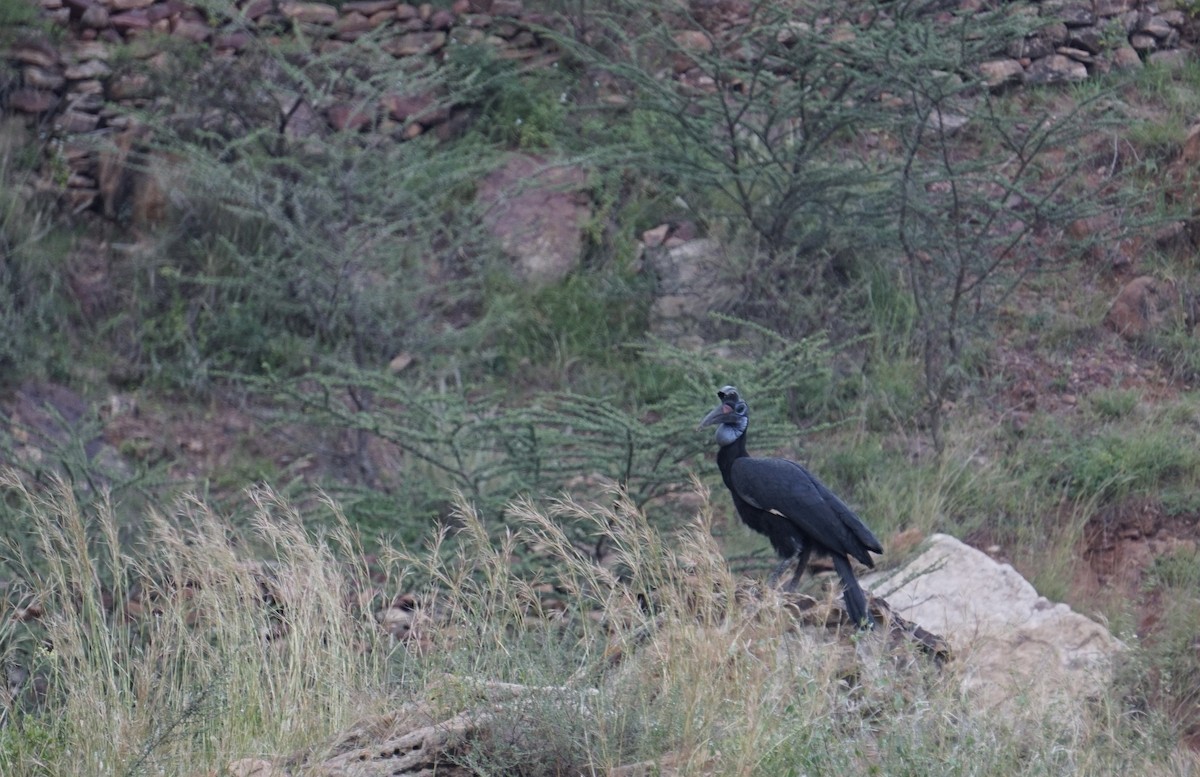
x,y
856,600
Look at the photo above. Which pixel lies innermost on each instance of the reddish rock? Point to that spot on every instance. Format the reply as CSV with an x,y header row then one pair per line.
x,y
128,5
351,26
92,50
41,78
130,86
344,116
256,8
34,52
409,107
404,12
235,40
95,16
414,43
309,12
537,211
441,19
92,68
1000,72
381,18
76,122
195,31
31,100
1141,307
130,20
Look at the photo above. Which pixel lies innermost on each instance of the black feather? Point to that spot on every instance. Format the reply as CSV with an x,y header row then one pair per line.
x,y
790,506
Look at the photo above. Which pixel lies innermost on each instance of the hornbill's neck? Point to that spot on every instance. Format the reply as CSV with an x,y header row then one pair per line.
x,y
727,454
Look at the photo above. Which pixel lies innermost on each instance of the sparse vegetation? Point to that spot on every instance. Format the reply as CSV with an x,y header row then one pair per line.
x,y
206,644
916,310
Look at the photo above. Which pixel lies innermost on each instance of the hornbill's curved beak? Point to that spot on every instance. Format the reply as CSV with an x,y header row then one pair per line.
x,y
720,414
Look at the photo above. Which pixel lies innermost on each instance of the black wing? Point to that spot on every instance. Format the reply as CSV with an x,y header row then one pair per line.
x,y
786,488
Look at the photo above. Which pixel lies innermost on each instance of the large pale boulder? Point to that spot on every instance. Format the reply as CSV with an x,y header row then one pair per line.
x,y
1010,644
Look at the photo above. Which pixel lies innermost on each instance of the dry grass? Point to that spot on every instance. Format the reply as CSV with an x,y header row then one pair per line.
x,y
254,646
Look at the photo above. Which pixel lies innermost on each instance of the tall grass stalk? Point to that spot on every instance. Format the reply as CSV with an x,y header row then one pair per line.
x,y
191,646
655,656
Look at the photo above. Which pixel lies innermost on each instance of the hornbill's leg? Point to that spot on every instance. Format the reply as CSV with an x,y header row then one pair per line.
x,y
801,564
773,578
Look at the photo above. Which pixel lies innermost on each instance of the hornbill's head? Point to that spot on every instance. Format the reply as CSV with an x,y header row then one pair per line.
x,y
732,414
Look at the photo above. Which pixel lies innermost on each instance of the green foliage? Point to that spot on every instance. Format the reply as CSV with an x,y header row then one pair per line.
x,y
34,311
286,247
590,320
1114,404
17,16
493,446
518,107
1116,463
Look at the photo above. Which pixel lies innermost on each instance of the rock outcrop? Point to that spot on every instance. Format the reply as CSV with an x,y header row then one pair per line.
x,y
1009,642
82,89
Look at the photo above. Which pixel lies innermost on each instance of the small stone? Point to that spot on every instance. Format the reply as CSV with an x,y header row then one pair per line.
x,y
96,17
401,361
402,107
414,43
1158,27
653,238
130,21
235,40
79,200
1126,58
257,8
130,86
441,19
93,68
195,31
41,78
999,72
1143,42
76,122
352,23
343,116
507,7
30,52
381,18
91,50
31,100
129,5
1055,69
309,12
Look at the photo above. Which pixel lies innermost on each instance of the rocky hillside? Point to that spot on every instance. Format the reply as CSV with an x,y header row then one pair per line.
x,y
432,258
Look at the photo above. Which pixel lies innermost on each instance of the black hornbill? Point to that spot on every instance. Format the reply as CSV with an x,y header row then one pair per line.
x,y
786,502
